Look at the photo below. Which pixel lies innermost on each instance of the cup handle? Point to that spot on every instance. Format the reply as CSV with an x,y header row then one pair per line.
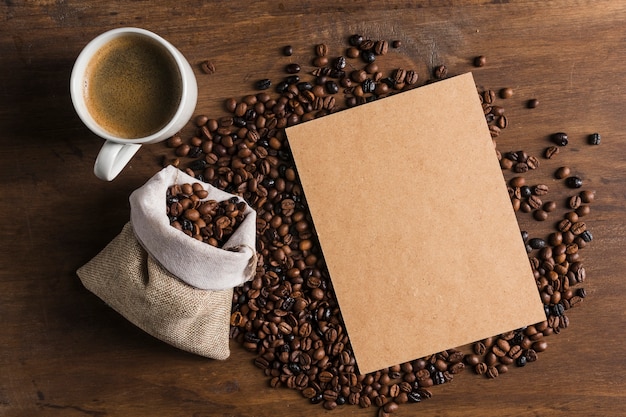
x,y
112,158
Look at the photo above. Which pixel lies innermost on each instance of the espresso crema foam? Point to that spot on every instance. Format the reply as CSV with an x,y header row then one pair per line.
x,y
132,87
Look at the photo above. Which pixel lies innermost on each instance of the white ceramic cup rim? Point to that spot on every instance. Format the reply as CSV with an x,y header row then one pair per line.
x,y
78,75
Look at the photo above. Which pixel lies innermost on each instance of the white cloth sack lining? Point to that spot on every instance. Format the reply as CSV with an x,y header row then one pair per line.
x,y
192,261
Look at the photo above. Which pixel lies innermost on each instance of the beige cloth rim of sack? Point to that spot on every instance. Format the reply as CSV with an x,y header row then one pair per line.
x,y
190,260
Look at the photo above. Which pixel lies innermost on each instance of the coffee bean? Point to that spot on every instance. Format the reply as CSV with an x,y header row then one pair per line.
x,y
525,191
355,40
572,216
540,346
480,348
330,395
583,210
480,61
364,402
502,122
564,225
208,67
321,62
183,149
281,87
532,162
367,44
517,181
399,75
549,206
353,52
586,236
368,86
303,86
440,72
532,103
321,50
287,50
481,368
574,182
594,139
520,167
473,359
358,76
331,87
562,172
574,202
540,215
368,56
411,77
587,196
531,355
309,392
551,152
292,68
492,372
339,63
578,228
174,141
506,93
230,105
506,163
488,96
503,344
540,189
381,47
537,243
560,138
391,407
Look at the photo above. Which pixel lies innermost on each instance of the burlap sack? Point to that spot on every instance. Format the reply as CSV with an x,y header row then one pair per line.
x,y
143,288
140,289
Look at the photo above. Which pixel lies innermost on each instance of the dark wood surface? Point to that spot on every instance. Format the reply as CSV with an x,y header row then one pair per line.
x,y
63,352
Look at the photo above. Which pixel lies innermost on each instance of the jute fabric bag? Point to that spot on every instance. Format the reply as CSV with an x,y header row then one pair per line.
x,y
170,285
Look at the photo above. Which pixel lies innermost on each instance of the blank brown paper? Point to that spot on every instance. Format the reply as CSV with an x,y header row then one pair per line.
x,y
415,223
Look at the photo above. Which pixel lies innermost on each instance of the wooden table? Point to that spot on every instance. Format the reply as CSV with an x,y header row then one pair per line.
x,y
63,352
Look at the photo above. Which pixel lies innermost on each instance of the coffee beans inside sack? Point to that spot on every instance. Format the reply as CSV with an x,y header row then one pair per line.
x,y
287,315
209,221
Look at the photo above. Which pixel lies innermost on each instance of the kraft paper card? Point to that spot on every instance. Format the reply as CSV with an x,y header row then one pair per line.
x,y
415,223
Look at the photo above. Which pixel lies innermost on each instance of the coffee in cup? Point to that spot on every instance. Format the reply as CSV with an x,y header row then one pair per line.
x,y
131,87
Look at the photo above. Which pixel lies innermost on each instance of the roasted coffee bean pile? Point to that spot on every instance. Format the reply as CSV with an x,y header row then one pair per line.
x,y
208,221
288,315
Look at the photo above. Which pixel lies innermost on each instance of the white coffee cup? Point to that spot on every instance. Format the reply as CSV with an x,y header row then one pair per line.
x,y
118,150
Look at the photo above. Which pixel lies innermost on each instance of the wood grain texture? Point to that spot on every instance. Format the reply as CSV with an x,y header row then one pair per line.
x,y
64,353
